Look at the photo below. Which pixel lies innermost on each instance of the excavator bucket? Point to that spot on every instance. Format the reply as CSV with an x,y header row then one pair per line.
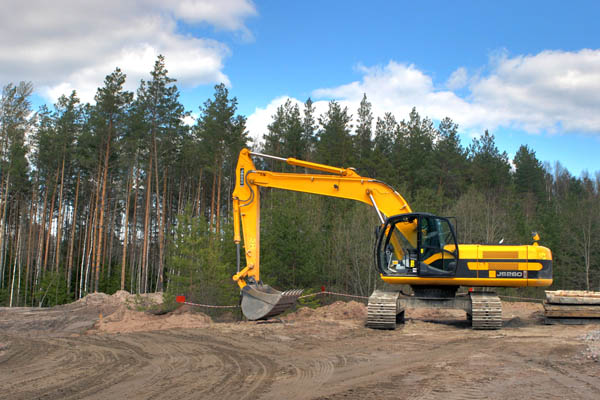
x,y
262,301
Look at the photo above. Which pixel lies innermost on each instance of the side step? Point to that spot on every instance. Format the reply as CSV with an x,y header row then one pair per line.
x,y
383,311
486,310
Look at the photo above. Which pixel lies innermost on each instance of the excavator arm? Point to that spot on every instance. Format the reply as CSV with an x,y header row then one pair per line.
x,y
336,182
260,301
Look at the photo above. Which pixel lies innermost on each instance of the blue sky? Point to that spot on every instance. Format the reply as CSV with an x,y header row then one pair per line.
x,y
527,71
305,45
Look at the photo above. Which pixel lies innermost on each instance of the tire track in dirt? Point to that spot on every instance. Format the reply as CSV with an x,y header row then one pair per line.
x,y
306,375
499,373
67,367
477,366
196,366
303,360
141,365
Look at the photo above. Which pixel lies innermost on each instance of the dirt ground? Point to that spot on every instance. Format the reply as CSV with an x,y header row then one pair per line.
x,y
100,348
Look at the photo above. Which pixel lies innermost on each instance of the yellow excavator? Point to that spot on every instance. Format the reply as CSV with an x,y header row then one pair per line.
x,y
412,248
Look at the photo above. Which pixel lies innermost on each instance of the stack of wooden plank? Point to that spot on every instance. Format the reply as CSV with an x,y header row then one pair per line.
x,y
572,307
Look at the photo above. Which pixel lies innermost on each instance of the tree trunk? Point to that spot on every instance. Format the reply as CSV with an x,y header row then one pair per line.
x,y
91,251
159,212
101,222
110,242
59,222
2,229
161,236
212,198
134,236
146,226
197,204
72,239
93,244
19,254
125,235
219,203
50,219
180,198
16,260
79,257
86,240
32,217
42,229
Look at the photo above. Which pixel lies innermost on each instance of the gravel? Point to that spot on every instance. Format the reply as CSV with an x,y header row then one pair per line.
x,y
592,340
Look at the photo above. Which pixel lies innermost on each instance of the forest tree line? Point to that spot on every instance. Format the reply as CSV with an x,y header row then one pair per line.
x,y
122,194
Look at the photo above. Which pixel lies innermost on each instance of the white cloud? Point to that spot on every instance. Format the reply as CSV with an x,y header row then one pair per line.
x,y
224,14
62,45
190,119
258,121
458,79
552,91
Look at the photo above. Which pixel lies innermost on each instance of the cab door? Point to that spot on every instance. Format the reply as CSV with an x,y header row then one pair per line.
x,y
437,247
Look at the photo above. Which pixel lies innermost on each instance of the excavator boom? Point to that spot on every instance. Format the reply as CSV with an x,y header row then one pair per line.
x,y
261,301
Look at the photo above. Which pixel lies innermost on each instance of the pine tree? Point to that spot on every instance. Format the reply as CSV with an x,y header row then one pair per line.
x,y
286,137
335,145
112,103
15,123
386,130
490,169
529,174
309,129
162,126
222,134
364,129
413,153
450,160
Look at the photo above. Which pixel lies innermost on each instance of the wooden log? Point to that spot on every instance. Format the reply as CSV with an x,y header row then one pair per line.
x,y
572,297
574,311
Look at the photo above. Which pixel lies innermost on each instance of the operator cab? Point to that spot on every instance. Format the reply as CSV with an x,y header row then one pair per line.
x,y
417,244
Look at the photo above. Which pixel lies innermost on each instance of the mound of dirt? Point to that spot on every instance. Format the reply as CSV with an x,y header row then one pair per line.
x,y
126,320
105,303
337,311
97,299
91,304
121,315
124,296
144,300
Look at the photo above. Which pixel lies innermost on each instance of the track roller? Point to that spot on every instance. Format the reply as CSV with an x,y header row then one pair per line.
x,y
383,311
486,310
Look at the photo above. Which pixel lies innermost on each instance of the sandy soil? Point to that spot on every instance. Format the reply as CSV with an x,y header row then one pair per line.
x,y
74,352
